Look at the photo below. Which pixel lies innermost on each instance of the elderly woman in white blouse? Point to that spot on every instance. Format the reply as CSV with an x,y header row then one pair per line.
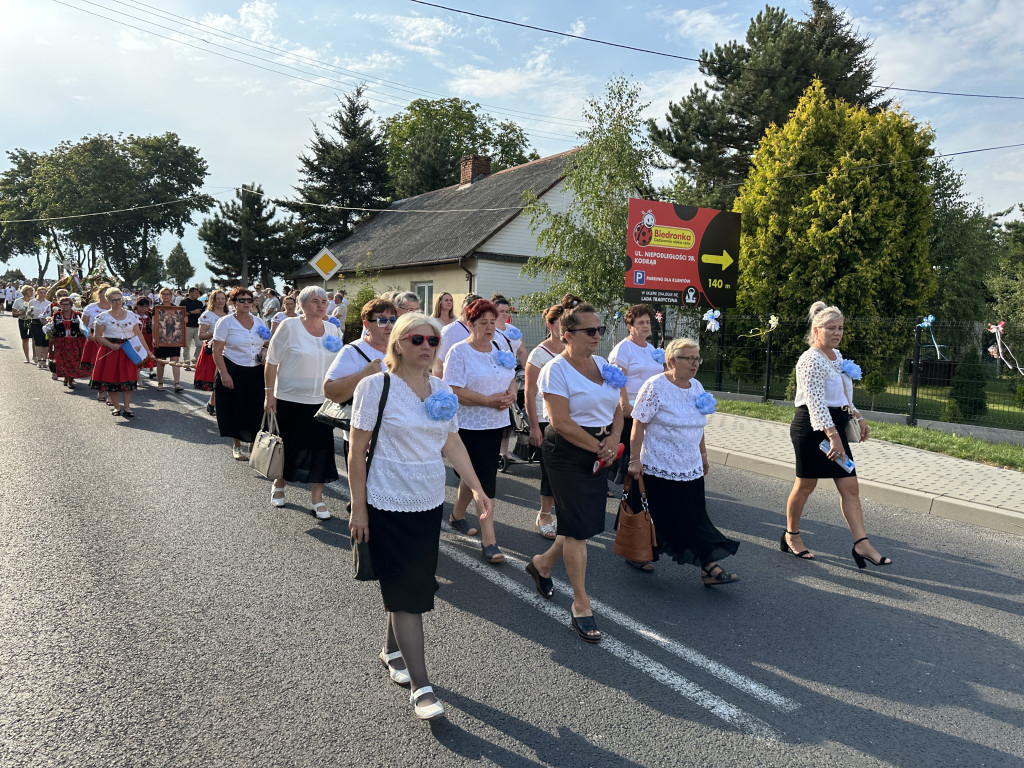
x,y
824,406
300,353
668,452
397,505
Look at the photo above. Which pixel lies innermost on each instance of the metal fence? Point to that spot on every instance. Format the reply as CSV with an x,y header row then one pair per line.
x,y
955,377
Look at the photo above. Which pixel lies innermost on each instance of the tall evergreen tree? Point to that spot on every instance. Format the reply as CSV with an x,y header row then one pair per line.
x,y
244,242
178,269
346,166
711,134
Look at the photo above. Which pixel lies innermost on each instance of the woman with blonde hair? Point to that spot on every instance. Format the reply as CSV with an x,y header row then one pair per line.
x,y
444,306
205,374
114,372
397,504
824,407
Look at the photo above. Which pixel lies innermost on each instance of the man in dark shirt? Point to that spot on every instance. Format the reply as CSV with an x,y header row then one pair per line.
x,y
193,309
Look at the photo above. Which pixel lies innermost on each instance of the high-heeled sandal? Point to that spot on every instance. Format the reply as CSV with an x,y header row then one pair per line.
x,y
863,560
784,546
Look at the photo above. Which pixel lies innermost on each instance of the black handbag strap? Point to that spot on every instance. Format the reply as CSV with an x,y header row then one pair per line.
x,y
376,427
357,349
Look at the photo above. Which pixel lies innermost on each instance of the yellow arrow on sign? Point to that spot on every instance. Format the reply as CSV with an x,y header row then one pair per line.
x,y
725,259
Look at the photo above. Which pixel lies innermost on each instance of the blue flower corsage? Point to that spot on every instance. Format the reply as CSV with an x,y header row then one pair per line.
x,y
332,342
613,376
852,370
334,321
442,406
505,358
706,403
511,332
659,356
263,331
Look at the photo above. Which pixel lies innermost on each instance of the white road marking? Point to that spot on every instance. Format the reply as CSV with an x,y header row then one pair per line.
x,y
657,671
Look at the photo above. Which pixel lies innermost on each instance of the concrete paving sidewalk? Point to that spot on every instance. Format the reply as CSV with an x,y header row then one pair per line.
x,y
927,482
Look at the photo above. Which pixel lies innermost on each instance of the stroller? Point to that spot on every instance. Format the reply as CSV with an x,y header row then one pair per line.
x,y
522,449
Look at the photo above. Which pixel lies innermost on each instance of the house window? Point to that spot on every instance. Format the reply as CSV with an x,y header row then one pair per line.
x,y
426,293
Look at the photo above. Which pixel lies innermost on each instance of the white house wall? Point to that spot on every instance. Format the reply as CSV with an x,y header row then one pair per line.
x,y
503,277
516,237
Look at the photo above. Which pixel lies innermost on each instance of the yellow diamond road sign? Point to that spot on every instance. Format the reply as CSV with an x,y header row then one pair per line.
x,y
325,263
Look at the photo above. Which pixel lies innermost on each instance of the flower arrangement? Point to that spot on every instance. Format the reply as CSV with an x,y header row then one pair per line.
x,y
659,356
711,318
613,376
332,342
263,332
442,406
706,403
851,369
334,321
512,332
505,358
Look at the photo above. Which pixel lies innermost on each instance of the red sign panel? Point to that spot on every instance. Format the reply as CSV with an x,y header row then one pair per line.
x,y
682,255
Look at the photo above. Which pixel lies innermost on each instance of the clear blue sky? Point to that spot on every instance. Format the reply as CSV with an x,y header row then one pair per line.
x,y
65,73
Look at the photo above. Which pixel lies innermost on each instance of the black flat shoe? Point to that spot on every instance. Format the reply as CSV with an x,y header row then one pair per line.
x,y
461,526
492,554
545,586
717,575
784,546
863,560
128,414
211,409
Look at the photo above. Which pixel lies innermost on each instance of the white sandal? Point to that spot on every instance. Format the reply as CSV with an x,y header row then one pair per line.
x,y
398,676
547,530
277,501
320,510
427,711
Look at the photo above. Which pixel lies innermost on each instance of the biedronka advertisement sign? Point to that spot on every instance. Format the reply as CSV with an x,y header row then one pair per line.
x,y
681,255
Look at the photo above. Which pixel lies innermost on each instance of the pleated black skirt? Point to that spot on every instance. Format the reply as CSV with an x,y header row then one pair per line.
x,y
308,444
811,461
240,410
403,548
581,497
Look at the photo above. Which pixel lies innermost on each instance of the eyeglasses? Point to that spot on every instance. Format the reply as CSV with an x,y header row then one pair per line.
x,y
592,332
240,300
417,339
383,322
690,359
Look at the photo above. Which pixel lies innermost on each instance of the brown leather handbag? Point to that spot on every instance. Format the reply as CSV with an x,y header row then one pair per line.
x,y
634,538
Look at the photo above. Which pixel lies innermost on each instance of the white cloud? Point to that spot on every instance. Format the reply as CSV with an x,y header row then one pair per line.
x,y
701,26
421,34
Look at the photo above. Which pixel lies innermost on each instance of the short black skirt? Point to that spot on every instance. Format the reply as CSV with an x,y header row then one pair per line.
x,y
484,447
240,410
24,329
165,353
811,461
38,335
581,497
308,444
403,549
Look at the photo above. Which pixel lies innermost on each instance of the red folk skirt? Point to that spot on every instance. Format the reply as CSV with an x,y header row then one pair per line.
x,y
114,371
66,352
89,353
205,371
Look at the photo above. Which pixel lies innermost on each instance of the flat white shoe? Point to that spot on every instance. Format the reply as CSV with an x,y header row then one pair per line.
x,y
277,501
399,676
320,510
426,711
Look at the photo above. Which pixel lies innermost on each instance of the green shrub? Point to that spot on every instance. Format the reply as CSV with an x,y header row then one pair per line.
x,y
968,388
1018,398
739,368
791,385
951,412
874,384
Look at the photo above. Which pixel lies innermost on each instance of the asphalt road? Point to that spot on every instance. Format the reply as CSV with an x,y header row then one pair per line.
x,y
156,610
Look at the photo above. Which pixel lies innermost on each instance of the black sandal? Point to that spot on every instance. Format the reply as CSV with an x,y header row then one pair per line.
x,y
583,625
461,526
491,554
717,575
115,411
784,546
645,566
128,414
863,560
545,585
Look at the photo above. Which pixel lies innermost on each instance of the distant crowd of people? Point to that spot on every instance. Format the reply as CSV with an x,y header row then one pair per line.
x,y
423,388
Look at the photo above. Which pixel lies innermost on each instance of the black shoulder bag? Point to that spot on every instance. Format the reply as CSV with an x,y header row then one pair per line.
x,y
361,561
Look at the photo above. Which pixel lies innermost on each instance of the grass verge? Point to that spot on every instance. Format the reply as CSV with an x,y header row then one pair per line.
x,y
959,446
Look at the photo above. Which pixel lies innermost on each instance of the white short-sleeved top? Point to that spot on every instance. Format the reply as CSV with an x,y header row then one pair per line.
x,y
241,346
41,308
111,328
539,357
590,404
407,473
19,304
302,361
637,363
349,361
209,318
512,345
820,385
451,335
281,316
479,372
89,314
671,447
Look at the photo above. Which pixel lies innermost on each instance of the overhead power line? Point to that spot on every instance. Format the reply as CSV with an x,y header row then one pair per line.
x,y
687,58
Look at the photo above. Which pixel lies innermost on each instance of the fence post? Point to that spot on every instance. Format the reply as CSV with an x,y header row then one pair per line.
x,y
767,366
915,375
720,367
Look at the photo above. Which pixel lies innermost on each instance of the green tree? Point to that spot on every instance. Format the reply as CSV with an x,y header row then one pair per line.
x,y
585,245
346,167
454,128
151,268
1007,282
15,276
968,390
243,240
837,207
711,134
178,269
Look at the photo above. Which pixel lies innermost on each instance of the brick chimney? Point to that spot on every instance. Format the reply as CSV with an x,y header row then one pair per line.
x,y
474,168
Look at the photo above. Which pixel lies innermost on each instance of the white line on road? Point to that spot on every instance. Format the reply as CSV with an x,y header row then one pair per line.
x,y
686,688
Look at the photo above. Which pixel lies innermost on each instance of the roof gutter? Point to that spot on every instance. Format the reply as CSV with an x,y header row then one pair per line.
x,y
469,276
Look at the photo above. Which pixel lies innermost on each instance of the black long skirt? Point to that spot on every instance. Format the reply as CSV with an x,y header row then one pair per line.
x,y
581,497
240,410
484,448
681,523
403,549
308,444
811,461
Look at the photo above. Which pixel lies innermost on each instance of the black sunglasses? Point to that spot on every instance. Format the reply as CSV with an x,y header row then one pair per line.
x,y
240,300
417,339
602,329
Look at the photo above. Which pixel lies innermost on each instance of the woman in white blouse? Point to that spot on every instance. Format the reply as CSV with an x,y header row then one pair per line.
x,y
22,309
397,507
581,393
206,369
298,358
42,308
824,398
482,375
114,372
639,361
288,311
669,453
238,343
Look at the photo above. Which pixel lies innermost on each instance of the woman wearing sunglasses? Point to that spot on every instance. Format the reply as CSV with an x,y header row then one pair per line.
x,y
482,375
581,394
238,343
668,451
397,508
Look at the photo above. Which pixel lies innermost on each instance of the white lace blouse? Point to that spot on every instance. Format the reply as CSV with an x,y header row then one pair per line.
x,y
407,472
671,447
480,372
820,385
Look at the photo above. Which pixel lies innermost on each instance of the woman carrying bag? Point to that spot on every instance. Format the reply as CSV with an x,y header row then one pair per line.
x,y
396,508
